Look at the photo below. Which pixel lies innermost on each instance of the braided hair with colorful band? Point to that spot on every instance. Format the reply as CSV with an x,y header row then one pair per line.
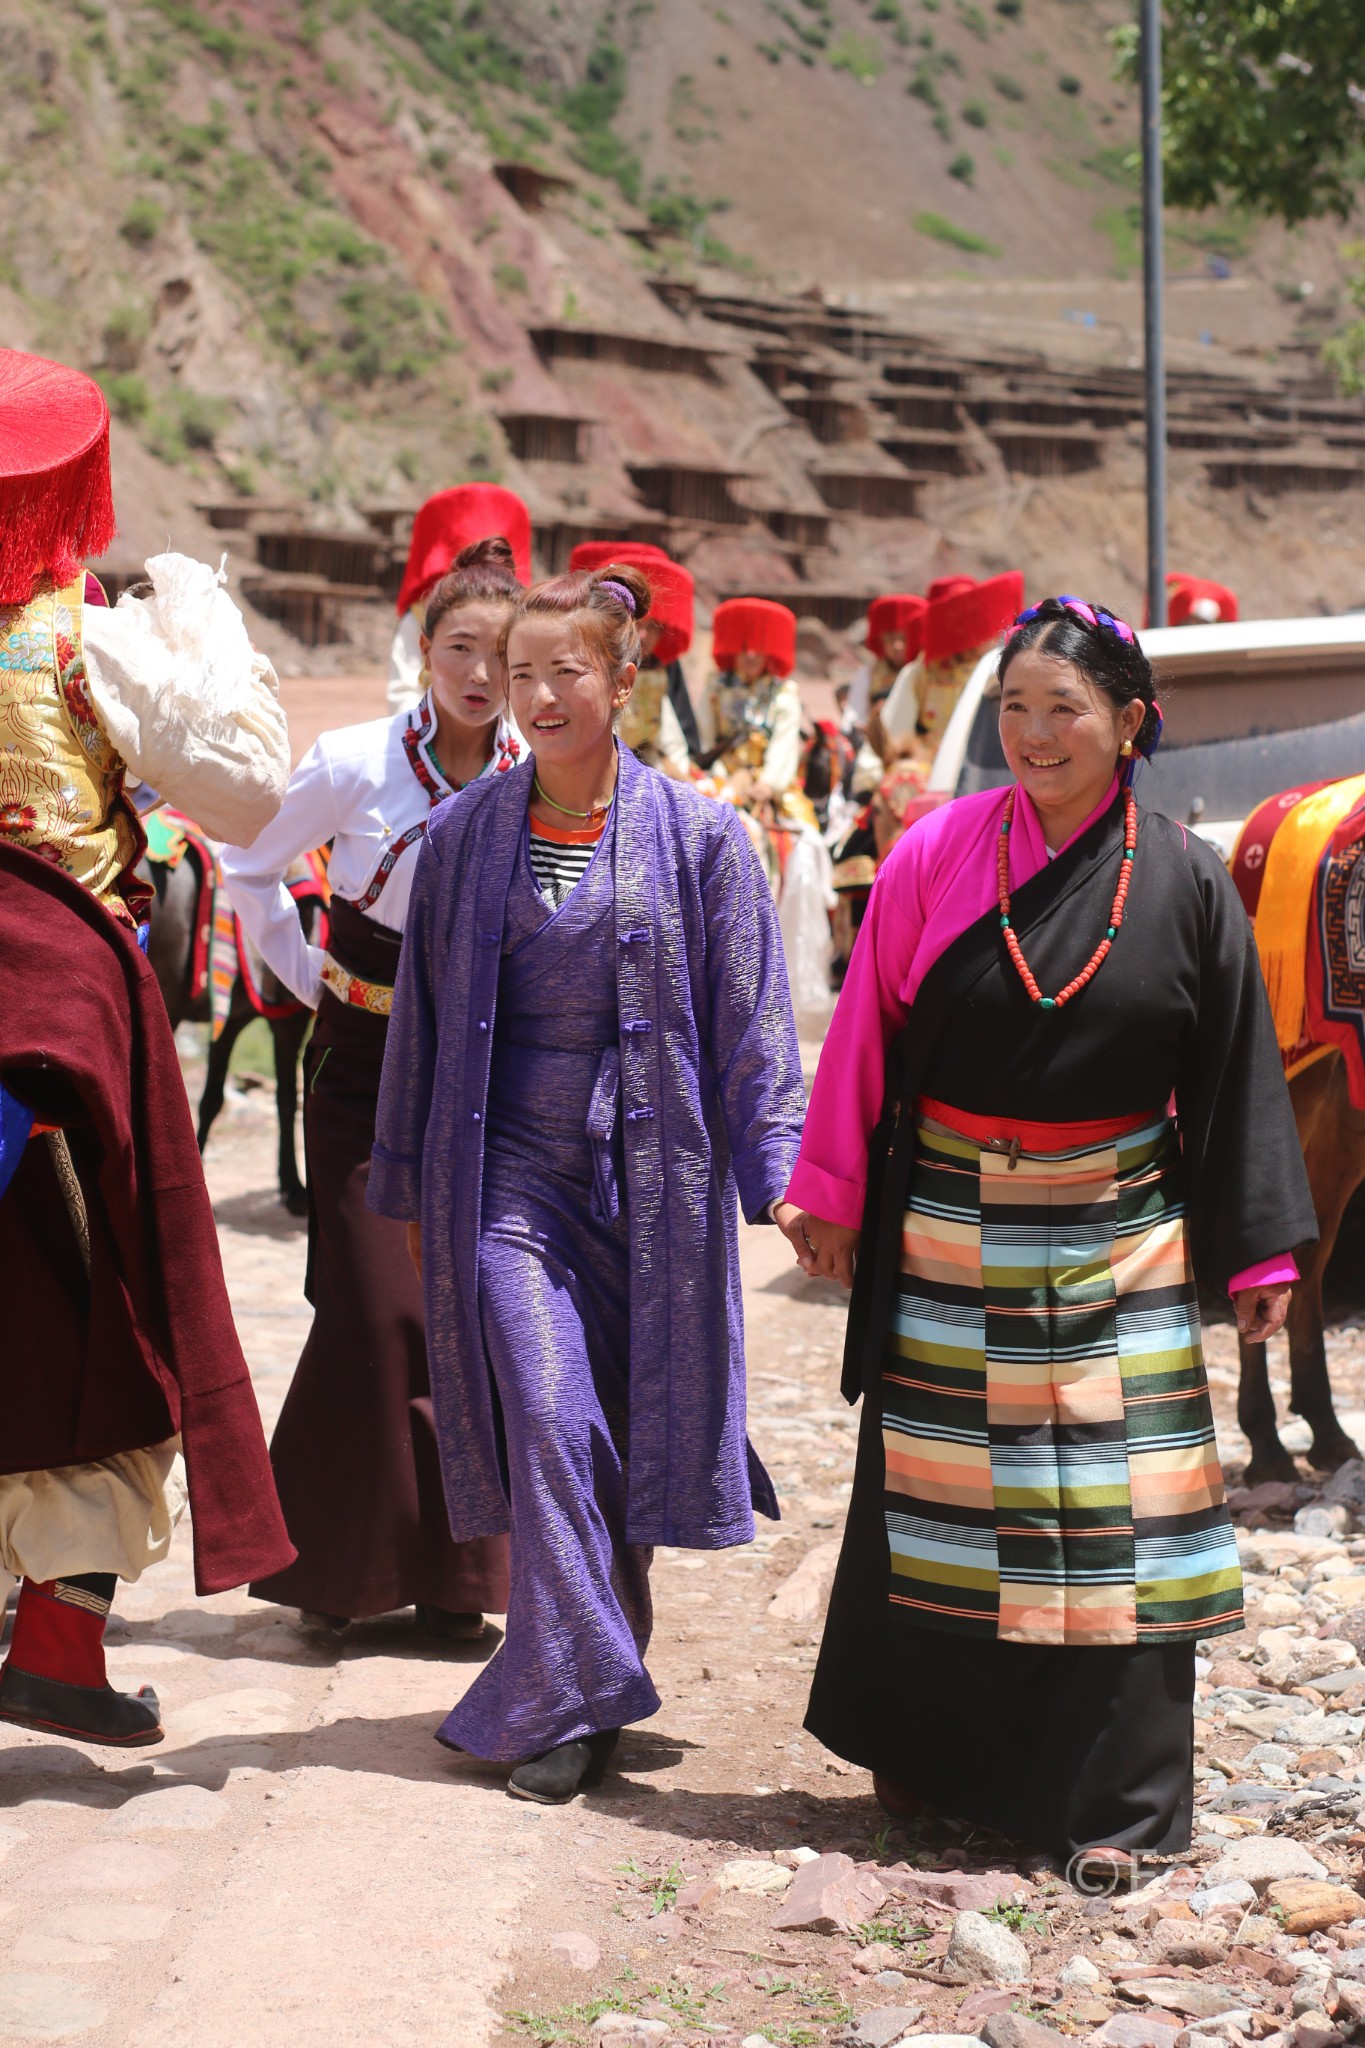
x,y
1106,651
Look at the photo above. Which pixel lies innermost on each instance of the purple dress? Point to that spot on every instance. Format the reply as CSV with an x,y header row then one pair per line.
x,y
569,1100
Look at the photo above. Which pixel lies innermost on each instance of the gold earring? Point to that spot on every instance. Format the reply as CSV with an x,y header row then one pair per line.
x,y
1126,749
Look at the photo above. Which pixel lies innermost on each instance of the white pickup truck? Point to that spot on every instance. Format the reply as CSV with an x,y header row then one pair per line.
x,y
1250,709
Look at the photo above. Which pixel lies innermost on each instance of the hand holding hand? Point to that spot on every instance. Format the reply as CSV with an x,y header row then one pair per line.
x,y
1261,1312
824,1251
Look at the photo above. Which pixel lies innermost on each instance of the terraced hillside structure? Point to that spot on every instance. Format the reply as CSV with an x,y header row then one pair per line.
x,y
712,276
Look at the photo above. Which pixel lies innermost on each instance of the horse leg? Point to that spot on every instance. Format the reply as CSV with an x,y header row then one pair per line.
x,y
289,1034
220,1054
1310,1383
1332,1134
1256,1419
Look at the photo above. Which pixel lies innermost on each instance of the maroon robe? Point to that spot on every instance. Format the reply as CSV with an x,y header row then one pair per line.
x,y
145,1346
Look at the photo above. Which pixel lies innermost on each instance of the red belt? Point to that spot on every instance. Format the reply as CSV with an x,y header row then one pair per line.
x,y
1008,1130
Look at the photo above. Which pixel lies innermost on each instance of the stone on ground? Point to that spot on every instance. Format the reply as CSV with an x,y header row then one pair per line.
x,y
1017,2030
886,2026
579,1951
1260,1859
750,1874
986,1952
1136,2030
829,1896
1078,1973
1308,1905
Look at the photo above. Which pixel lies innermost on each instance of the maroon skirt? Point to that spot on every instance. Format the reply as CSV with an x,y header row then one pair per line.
x,y
354,1451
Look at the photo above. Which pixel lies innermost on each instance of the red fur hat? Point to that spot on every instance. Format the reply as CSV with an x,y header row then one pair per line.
x,y
451,520
1194,601
949,586
898,614
973,618
56,498
754,625
671,589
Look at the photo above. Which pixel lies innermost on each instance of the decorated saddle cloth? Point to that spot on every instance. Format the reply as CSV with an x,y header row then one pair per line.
x,y
231,952
1299,866
171,839
1051,1473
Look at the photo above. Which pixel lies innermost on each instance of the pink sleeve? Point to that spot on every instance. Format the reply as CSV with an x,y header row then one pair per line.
x,y
1269,1273
831,1173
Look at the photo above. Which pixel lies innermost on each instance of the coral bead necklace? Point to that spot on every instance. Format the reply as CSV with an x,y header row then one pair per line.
x,y
1096,960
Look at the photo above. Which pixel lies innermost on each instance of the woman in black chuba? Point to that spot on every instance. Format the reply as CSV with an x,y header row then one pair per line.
x,y
1050,1094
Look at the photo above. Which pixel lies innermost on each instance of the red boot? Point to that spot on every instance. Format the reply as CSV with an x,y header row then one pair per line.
x,y
54,1677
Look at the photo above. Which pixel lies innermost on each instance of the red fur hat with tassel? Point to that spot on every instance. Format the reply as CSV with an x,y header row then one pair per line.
x,y
1195,601
754,625
56,497
901,613
451,520
671,589
972,618
949,586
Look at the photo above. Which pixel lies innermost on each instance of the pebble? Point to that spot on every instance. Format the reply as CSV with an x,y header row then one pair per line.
x,y
878,1955
1308,1906
1136,2030
1193,1998
1313,2030
1259,1859
1190,1943
1078,1973
963,1891
891,1980
1017,2030
884,2027
1323,1521
579,1951
986,1952
626,2030
829,1896
748,1874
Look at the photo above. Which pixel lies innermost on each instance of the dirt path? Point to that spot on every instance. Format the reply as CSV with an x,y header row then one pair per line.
x,y
302,1864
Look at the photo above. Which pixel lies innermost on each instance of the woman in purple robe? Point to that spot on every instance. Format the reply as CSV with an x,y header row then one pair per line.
x,y
592,1052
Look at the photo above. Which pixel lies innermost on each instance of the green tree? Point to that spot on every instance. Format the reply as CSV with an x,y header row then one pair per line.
x,y
1264,104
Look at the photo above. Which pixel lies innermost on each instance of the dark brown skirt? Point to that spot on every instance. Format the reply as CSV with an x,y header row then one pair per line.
x,y
354,1450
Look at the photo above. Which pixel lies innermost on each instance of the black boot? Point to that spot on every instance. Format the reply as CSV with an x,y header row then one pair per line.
x,y
87,1713
448,1627
560,1774
326,1625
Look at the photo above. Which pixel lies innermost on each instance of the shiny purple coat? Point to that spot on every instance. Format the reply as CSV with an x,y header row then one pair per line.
x,y
711,1103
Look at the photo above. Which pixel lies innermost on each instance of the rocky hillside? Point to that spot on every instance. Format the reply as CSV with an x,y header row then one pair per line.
x,y
326,257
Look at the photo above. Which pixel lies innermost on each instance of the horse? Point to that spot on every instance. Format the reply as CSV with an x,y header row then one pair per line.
x,y
183,912
1317,894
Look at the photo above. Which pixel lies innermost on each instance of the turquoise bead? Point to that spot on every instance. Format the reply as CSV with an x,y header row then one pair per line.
x,y
1047,1002
1004,924
1112,932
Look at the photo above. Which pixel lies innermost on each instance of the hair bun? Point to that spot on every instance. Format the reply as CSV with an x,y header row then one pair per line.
x,y
493,552
631,579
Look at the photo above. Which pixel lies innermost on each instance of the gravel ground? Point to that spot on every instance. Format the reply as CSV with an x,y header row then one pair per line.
x,y
303,1863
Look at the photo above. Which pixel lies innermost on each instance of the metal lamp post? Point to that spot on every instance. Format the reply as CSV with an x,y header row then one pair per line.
x,y
1153,311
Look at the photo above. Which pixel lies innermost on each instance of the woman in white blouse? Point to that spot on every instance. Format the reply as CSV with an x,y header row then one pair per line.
x,y
354,1450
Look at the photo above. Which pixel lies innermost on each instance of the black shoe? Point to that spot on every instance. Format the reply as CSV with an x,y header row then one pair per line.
x,y
556,1777
324,1624
86,1713
448,1627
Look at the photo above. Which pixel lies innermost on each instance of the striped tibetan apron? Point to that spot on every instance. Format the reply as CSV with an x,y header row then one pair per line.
x,y
1051,1472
